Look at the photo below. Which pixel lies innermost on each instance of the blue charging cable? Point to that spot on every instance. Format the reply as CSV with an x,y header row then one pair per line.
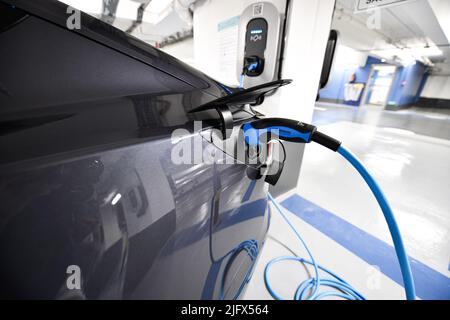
x,y
390,220
252,66
295,131
241,81
309,289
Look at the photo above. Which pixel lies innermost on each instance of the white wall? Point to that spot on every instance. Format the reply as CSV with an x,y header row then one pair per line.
x,y
345,58
441,9
437,87
183,50
308,32
348,57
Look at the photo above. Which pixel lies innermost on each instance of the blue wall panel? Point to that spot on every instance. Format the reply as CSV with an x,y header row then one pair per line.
x,y
341,75
407,86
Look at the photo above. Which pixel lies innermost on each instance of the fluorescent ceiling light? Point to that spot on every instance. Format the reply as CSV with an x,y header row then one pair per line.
x,y
157,10
93,7
426,51
158,6
408,56
127,9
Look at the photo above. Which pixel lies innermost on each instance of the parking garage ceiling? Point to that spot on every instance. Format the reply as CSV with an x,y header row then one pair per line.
x,y
414,25
161,21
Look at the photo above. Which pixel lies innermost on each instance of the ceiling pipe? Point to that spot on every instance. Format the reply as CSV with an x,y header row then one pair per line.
x,y
140,15
185,10
109,9
176,37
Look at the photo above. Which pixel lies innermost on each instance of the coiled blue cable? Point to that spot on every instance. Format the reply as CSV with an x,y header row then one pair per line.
x,y
309,289
390,219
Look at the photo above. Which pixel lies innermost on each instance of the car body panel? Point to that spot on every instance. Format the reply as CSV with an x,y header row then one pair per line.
x,y
87,171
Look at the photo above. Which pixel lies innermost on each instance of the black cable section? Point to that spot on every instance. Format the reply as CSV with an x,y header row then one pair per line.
x,y
326,141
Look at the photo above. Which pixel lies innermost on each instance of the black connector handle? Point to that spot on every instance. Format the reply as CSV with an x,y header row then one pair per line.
x,y
288,130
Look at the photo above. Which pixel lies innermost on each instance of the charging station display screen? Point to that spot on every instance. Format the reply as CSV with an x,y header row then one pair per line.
x,y
256,38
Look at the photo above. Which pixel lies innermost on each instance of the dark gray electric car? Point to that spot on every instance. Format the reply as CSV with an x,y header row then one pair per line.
x,y
92,205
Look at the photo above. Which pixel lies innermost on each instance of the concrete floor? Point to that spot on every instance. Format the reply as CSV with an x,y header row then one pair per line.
x,y
408,152
428,122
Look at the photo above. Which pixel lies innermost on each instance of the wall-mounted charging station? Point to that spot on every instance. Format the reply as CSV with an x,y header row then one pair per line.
x,y
260,28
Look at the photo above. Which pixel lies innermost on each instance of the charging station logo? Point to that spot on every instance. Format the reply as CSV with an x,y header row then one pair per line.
x,y
255,37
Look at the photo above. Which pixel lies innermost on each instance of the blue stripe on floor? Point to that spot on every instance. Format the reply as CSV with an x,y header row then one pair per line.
x,y
249,191
430,284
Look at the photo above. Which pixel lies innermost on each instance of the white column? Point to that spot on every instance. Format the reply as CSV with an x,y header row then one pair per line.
x,y
308,30
307,34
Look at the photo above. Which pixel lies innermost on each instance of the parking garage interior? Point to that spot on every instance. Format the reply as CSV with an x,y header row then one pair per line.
x,y
387,98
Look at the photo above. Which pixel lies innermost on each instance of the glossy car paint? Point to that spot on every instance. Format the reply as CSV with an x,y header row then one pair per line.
x,y
86,170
